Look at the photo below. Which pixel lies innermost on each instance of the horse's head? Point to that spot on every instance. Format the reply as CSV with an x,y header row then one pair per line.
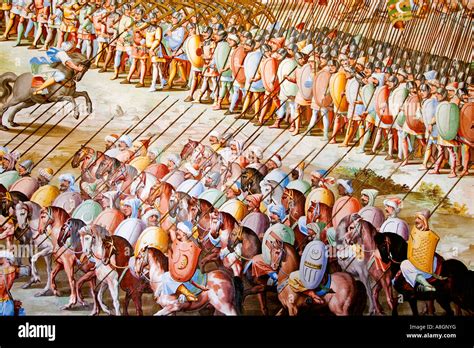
x,y
46,218
22,213
83,154
383,243
155,193
287,200
141,261
108,249
188,149
277,251
353,233
87,238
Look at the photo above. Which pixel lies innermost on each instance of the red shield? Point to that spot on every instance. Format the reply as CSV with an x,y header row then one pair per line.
x,y
411,110
321,89
466,126
237,58
159,170
183,260
269,68
381,105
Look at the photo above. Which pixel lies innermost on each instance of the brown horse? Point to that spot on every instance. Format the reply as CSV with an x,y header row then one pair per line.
x,y
162,191
206,220
89,160
188,149
294,203
250,180
9,200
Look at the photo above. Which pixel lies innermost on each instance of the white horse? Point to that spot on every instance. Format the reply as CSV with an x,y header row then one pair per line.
x,y
142,185
28,217
107,276
271,191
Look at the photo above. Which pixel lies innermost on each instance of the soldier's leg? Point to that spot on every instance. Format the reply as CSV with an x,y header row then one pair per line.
x,y
466,156
235,99
378,139
453,159
281,112
9,26
182,72
172,73
117,62
110,53
29,26
369,128
390,145
133,68
351,129
314,119
20,30
338,124
38,34
405,148
154,77
142,71
297,120
258,102
439,160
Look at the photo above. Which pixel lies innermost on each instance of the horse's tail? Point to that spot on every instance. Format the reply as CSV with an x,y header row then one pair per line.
x,y
360,302
6,89
239,294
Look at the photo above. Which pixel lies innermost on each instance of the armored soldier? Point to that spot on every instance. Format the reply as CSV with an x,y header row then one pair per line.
x,y
196,71
108,34
175,37
301,102
69,23
224,45
139,50
156,50
41,10
209,72
85,34
253,84
123,37
54,23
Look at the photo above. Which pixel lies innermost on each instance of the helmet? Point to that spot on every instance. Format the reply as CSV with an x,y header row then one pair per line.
x,y
191,187
213,196
152,237
234,208
320,195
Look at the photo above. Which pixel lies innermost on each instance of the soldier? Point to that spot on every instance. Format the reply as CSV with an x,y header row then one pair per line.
x,y
421,245
44,176
67,183
367,198
109,33
25,167
175,37
196,71
123,38
209,72
16,16
392,206
69,23
6,7
130,207
276,213
41,10
139,51
356,106
301,102
54,23
253,84
173,162
224,74
8,272
154,154
151,217
98,18
156,50
85,35
344,187
111,141
212,180
287,102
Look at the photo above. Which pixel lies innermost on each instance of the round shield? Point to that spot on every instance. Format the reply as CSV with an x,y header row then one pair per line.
x,y
381,105
191,187
7,179
26,185
140,163
237,58
319,195
124,156
87,211
412,111
352,90
130,229
395,104
152,237
299,185
287,67
221,54
321,89
278,176
174,178
269,68
257,222
368,95
373,215
466,125
278,231
251,63
68,201
214,197
396,225
193,49
313,264
429,110
109,219
337,88
344,206
234,208
45,195
159,170
447,120
304,80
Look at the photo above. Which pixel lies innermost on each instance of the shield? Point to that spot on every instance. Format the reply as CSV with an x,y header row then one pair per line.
x,y
45,195
278,176
183,260
299,185
174,178
109,219
191,187
193,49
395,104
466,125
319,195
421,249
413,115
447,120
257,222
287,67
130,229
26,185
214,197
87,211
269,68
381,105
429,110
397,226
304,81
337,88
234,208
352,90
68,201
344,206
159,170
368,95
124,156
7,179
237,58
373,215
152,237
251,63
221,54
313,264
277,231
321,89
140,163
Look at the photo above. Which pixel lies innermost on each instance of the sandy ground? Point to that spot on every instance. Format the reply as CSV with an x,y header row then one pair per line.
x,y
108,96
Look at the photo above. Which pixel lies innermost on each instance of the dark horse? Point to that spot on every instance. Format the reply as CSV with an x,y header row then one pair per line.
x,y
250,180
19,87
9,199
454,275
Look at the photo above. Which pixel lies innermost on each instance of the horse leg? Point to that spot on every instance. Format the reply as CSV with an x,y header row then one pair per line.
x,y
72,101
414,306
114,293
137,299
89,276
17,108
364,278
262,300
34,273
375,298
59,266
69,269
100,295
86,96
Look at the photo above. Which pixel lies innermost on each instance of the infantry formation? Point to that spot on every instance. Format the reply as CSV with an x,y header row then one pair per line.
x,y
219,221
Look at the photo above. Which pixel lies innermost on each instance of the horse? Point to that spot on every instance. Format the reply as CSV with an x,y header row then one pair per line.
x,y
22,96
250,180
230,172
345,297
204,222
89,160
188,149
183,207
117,175
28,219
271,191
454,274
159,197
294,203
219,291
142,185
351,234
9,199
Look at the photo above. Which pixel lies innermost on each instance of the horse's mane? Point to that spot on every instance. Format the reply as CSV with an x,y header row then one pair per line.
x,y
20,195
76,225
62,214
160,257
100,231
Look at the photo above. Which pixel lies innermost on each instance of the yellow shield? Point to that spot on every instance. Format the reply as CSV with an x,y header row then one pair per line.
x,y
140,163
194,51
337,88
421,249
45,195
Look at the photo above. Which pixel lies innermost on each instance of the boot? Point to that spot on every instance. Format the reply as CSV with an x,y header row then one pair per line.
x,y
425,286
276,124
218,105
184,291
21,28
349,134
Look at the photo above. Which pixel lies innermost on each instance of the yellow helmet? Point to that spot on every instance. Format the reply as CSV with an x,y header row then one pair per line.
x,y
320,195
152,237
234,208
45,195
140,163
